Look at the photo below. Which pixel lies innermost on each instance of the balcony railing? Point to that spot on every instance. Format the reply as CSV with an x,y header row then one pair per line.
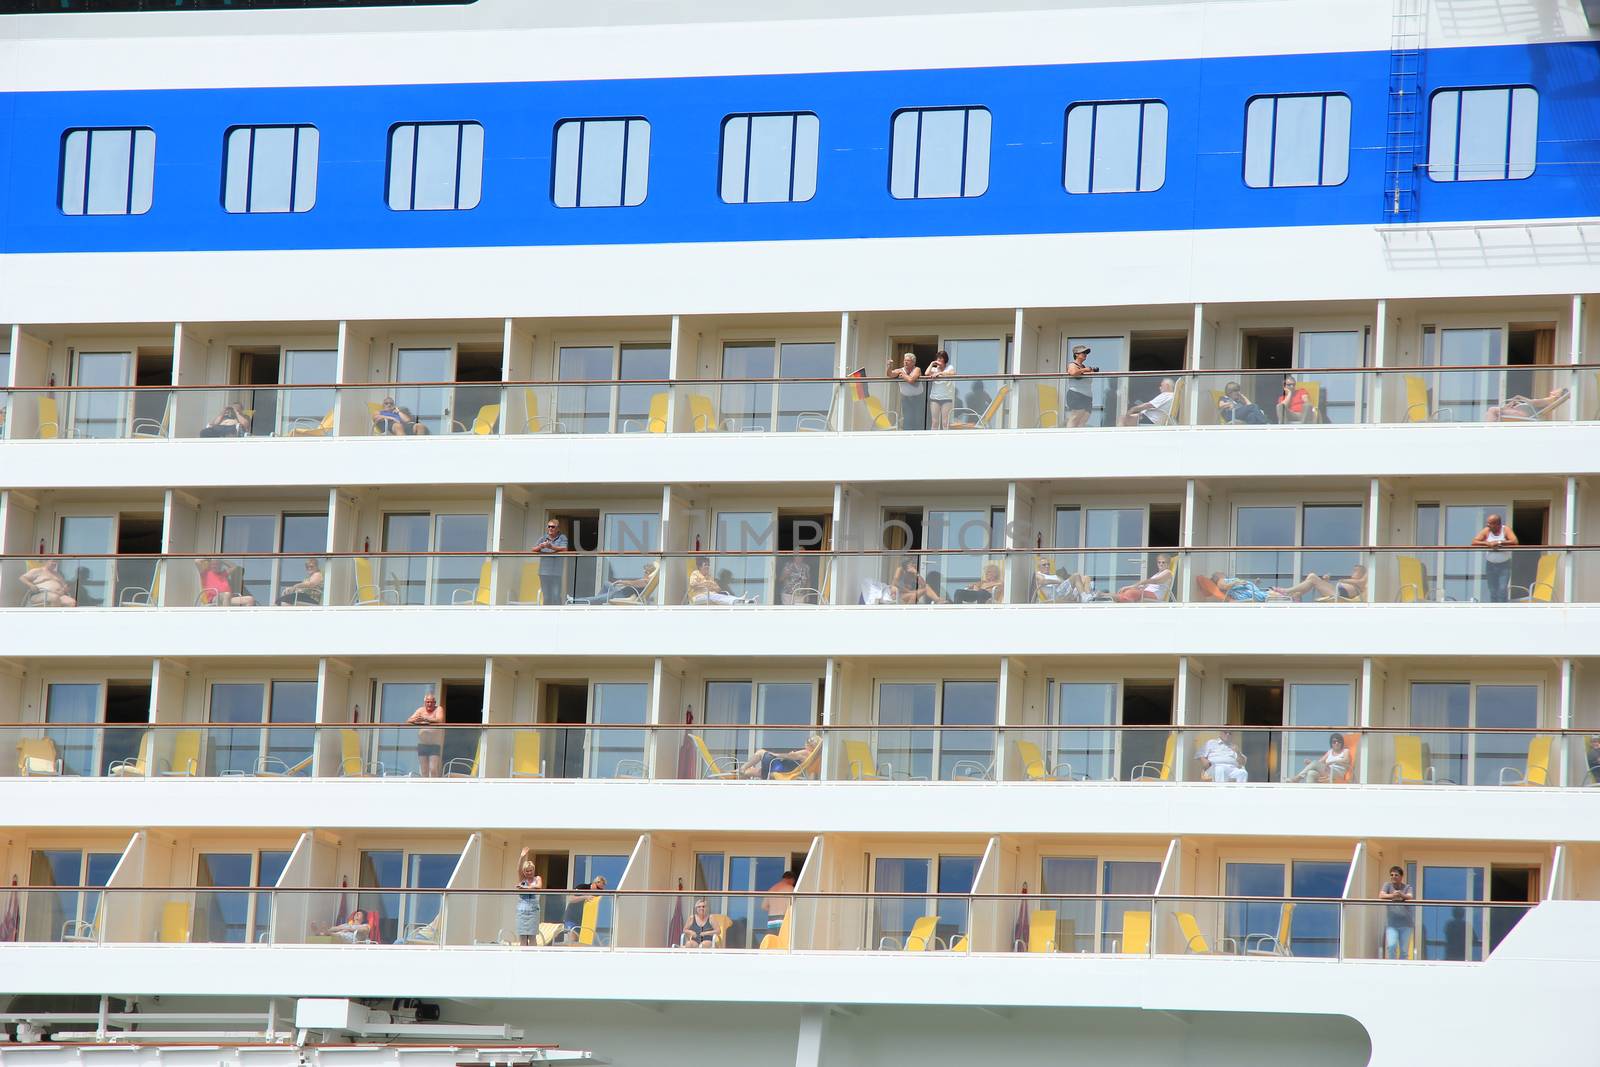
x,y
774,922
1065,754
1300,575
1243,398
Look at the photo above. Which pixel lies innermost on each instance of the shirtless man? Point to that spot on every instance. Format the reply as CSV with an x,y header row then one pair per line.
x,y
430,737
46,586
1351,588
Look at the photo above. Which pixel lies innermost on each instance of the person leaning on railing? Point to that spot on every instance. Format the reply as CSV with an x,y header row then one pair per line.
x,y
1398,922
1080,403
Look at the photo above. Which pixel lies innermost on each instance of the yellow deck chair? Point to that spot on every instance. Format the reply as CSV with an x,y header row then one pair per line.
x,y
1042,931
709,763
478,596
373,407
1313,399
702,415
1194,940
468,767
588,928
351,762
487,420
154,428
37,758
1538,769
656,420
994,408
859,763
646,595
185,761
368,591
961,944
530,403
1543,589
1049,407
806,768
272,767
1273,944
422,933
1135,933
879,418
1413,580
922,937
526,761
1417,407
527,585
1174,415
322,429
136,766
174,923
1410,765
49,418
780,940
1034,767
1152,771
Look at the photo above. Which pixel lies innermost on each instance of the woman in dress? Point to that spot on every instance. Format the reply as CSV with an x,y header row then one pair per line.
x,y
530,902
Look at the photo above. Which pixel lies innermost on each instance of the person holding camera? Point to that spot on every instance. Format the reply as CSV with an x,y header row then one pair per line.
x,y
1079,401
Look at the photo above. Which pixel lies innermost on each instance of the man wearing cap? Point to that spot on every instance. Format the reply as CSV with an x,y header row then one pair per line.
x,y
1079,402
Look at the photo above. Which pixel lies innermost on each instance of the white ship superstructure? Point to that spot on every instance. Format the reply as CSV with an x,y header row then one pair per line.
x,y
1026,511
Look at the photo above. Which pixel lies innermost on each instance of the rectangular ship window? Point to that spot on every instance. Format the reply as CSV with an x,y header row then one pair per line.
x,y
601,162
108,171
435,166
1479,135
269,169
1116,147
1297,140
939,152
769,159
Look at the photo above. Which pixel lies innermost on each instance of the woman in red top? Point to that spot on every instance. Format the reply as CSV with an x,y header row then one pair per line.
x,y
1294,404
216,585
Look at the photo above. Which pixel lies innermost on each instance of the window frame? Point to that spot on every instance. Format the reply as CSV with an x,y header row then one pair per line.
x,y
417,125
88,155
1138,168
250,166
577,181
1510,89
966,139
1272,137
794,143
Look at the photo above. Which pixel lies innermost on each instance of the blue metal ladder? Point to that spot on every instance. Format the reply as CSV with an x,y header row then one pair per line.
x,y
1403,144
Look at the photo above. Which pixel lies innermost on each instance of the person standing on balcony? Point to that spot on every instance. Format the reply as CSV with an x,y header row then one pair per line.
x,y
430,736
530,902
1223,762
1398,922
1497,537
913,392
941,391
1080,401
779,897
552,568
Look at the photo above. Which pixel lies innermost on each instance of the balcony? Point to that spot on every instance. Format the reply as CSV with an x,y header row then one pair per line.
x,y
1109,579
1421,395
349,919
908,755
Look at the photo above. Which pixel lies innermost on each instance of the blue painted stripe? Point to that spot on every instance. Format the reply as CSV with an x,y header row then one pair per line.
x,y
1204,185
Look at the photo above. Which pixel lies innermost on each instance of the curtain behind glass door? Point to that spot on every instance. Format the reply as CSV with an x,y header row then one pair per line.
x,y
407,574
1446,704
967,535
747,405
307,407
745,531
801,404
585,408
90,578
895,918
74,702
650,365
618,753
1091,753
252,533
429,404
1074,917
1343,395
728,704
908,752
102,412
235,750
